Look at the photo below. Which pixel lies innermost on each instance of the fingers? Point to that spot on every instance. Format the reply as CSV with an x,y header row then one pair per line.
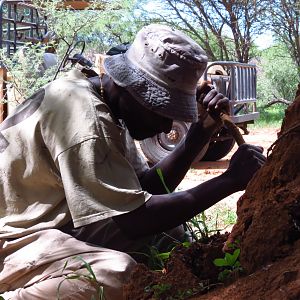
x,y
253,147
205,87
215,101
260,159
253,154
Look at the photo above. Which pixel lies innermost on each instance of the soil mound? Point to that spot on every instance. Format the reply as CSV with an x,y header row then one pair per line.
x,y
267,229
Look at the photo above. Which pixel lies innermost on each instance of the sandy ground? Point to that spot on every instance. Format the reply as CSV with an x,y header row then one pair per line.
x,y
204,171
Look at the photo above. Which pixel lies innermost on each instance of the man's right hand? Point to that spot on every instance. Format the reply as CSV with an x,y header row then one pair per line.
x,y
245,162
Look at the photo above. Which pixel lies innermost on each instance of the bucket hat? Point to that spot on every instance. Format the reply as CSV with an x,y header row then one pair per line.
x,y
160,70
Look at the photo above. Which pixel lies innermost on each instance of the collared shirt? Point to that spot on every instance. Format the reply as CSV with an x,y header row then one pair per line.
x,y
62,157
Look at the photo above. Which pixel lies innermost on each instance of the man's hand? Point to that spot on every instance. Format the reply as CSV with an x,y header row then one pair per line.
x,y
211,101
245,162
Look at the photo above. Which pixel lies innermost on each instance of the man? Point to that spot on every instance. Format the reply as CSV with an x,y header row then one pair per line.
x,y
71,174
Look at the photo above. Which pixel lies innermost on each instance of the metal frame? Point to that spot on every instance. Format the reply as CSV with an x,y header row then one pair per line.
x,y
19,23
239,86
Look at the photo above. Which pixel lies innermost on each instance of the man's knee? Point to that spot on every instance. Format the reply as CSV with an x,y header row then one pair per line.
x,y
112,270
80,278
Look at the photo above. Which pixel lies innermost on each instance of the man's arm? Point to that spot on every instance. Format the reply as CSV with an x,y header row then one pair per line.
x,y
163,212
175,166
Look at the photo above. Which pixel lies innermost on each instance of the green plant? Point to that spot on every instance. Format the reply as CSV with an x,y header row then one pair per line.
x,y
269,117
197,224
201,226
156,259
198,228
230,263
161,177
277,75
158,290
91,277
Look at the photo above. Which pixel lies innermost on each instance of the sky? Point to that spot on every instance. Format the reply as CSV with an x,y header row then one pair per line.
x,y
263,41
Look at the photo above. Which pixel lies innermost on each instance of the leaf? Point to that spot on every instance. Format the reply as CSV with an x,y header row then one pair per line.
x,y
186,244
164,255
220,262
224,275
75,276
235,255
230,259
237,264
65,265
230,245
88,267
160,174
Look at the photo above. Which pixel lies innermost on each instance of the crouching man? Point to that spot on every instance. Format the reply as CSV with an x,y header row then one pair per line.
x,y
74,189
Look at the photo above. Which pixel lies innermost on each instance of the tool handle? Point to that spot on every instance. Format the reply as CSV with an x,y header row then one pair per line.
x,y
233,129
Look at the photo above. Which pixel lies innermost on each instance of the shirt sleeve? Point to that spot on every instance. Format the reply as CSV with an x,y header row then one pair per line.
x,y
134,156
99,182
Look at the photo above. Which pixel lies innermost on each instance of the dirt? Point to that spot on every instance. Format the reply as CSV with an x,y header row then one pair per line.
x,y
267,229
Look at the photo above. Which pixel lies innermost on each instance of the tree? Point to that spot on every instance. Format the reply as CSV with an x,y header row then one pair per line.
x,y
285,21
117,26
277,76
224,28
69,27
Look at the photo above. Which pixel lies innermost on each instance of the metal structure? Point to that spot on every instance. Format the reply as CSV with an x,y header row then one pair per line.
x,y
239,85
20,22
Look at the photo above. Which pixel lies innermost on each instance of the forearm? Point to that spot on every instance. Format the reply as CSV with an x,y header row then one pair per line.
x,y
162,212
175,166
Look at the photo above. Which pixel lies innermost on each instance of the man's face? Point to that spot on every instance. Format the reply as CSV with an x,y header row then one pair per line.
x,y
141,122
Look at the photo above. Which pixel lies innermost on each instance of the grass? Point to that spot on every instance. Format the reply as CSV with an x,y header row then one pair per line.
x,y
271,116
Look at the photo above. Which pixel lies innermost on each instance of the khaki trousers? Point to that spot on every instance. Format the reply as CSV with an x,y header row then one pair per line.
x,y
41,265
51,264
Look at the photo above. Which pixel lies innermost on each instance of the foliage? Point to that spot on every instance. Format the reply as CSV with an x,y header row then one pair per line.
x,y
225,29
162,291
215,219
198,228
27,70
91,277
285,21
118,25
161,177
156,260
67,27
269,117
230,263
158,289
277,75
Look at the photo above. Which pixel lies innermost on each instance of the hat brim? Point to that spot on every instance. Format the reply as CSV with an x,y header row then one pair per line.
x,y
167,102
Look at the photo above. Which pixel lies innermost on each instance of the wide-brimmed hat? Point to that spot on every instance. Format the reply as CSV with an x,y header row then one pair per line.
x,y
160,70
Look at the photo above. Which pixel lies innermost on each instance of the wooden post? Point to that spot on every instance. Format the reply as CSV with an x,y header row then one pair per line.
x,y
3,93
